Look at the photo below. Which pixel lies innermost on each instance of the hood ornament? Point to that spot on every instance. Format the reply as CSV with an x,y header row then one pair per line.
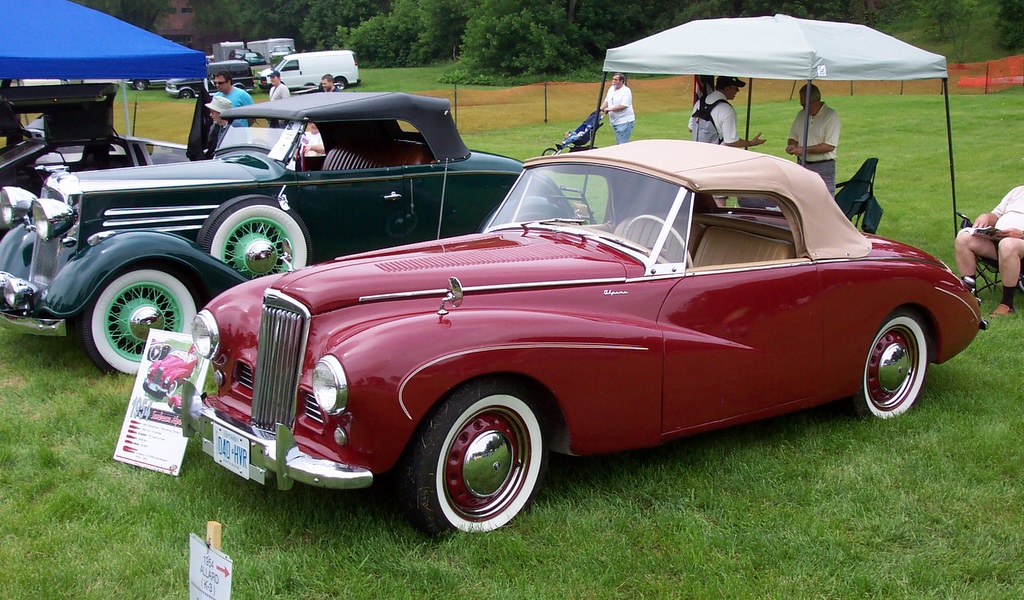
x,y
454,296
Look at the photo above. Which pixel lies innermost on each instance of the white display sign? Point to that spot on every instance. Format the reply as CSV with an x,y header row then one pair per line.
x,y
209,571
151,435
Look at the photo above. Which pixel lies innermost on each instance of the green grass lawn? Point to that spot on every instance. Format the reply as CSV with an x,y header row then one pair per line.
x,y
812,505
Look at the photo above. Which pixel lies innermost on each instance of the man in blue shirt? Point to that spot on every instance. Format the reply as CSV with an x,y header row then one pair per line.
x,y
238,97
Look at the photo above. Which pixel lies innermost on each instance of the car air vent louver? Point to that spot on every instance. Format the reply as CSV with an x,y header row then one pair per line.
x,y
243,374
479,257
313,409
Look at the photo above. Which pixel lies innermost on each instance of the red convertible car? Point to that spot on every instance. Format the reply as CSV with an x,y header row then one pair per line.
x,y
166,372
610,304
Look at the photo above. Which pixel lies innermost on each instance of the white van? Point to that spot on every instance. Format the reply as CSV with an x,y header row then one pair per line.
x,y
304,69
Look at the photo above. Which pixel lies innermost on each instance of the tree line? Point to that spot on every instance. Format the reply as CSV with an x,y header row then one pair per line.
x,y
515,39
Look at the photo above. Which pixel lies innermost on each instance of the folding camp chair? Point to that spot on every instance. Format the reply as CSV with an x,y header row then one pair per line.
x,y
986,275
856,197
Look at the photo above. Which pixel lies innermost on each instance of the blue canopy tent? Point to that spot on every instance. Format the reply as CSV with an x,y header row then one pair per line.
x,y
88,44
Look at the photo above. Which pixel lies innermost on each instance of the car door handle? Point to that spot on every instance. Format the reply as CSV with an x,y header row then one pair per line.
x,y
393,196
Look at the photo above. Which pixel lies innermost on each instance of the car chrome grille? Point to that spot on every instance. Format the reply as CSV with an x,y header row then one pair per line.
x,y
281,346
45,258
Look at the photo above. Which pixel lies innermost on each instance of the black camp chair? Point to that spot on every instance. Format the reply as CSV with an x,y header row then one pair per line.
x,y
986,275
856,197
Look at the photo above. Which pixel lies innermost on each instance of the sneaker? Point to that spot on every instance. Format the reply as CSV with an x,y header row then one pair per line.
x,y
971,283
1001,311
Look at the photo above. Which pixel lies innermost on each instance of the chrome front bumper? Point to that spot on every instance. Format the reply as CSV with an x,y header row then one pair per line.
x,y
276,453
34,326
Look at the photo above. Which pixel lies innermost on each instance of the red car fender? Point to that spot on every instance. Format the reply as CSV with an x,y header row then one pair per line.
x,y
857,300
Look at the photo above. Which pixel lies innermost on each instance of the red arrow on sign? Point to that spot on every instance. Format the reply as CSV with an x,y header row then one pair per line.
x,y
223,570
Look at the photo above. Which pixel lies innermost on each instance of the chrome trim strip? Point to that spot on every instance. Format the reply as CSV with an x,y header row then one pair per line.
x,y
155,184
34,326
491,288
557,345
167,229
118,212
155,220
974,306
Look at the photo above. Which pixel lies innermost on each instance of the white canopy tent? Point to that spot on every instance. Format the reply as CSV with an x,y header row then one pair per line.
x,y
782,47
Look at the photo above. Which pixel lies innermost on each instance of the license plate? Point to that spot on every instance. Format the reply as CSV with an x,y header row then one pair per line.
x,y
231,451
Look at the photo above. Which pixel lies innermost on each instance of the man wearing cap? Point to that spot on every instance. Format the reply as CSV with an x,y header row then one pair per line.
x,y
723,115
278,91
822,136
217,105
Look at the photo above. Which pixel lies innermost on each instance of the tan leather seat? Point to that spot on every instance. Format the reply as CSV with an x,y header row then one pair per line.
x,y
723,246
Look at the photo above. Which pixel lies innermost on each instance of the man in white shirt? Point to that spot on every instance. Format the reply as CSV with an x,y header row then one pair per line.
x,y
721,129
1004,243
618,105
823,128
278,91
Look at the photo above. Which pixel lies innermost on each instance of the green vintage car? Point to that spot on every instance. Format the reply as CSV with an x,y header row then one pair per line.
x,y
117,252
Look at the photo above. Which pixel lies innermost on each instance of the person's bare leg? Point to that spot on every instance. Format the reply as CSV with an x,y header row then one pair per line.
x,y
967,248
1011,250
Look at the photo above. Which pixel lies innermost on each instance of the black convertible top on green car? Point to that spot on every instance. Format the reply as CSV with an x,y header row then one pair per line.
x,y
121,251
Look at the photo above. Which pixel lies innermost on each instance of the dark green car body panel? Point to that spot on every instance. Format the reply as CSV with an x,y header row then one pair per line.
x,y
153,214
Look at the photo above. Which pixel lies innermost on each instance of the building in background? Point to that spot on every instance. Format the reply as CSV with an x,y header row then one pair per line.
x,y
179,26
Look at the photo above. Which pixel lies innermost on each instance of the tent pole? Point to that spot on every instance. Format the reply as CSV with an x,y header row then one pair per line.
x,y
807,123
124,101
750,95
949,142
600,97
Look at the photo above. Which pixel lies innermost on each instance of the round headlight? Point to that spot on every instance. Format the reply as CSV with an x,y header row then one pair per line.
x,y
51,218
330,386
15,203
205,336
7,288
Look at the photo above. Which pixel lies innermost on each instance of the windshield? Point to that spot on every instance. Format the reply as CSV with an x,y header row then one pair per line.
x,y
647,215
11,154
277,141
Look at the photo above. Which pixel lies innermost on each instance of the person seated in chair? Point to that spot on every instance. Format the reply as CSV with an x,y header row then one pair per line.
x,y
1004,243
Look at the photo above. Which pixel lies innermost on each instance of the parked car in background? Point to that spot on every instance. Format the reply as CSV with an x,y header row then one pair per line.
x,y
241,75
124,250
610,304
255,59
303,70
272,48
145,84
74,133
279,52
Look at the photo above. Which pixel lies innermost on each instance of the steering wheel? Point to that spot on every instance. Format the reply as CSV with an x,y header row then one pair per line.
x,y
633,226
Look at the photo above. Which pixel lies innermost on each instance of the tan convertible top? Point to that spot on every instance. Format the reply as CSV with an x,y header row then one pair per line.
x,y
801,194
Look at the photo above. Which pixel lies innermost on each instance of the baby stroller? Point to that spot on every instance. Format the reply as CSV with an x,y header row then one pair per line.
x,y
579,138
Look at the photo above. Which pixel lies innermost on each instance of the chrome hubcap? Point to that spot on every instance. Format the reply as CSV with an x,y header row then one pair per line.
x,y
893,368
488,464
143,319
261,257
